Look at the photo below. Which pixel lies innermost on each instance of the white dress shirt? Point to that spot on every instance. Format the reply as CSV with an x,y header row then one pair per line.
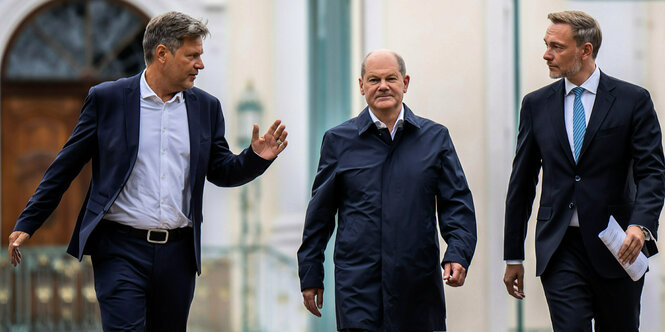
x,y
588,97
157,193
380,125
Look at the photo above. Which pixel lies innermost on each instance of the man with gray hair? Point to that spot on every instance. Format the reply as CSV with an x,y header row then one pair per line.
x,y
153,140
598,142
388,174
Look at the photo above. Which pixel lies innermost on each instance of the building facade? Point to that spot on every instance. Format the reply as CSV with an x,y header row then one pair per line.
x,y
470,63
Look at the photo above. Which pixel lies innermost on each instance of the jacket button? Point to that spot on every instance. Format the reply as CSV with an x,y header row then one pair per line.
x,y
577,178
571,205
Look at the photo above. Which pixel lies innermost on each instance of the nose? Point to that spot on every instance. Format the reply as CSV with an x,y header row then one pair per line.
x,y
548,55
383,85
199,64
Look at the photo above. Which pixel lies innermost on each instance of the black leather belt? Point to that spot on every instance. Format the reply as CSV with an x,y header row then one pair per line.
x,y
154,235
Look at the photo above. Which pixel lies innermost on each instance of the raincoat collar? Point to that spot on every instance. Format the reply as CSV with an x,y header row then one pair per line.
x,y
365,122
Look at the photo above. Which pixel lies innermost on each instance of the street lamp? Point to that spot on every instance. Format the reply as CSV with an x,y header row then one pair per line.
x,y
249,112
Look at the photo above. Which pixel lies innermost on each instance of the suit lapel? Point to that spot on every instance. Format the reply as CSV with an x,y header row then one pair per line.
x,y
556,112
132,116
601,107
194,115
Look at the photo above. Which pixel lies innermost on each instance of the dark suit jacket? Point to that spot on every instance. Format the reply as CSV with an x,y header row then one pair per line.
x,y
108,133
620,171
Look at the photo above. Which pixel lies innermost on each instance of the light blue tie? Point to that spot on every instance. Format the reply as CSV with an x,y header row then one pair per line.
x,y
579,121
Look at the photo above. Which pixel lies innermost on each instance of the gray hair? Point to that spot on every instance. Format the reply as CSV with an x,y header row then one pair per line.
x,y
584,27
170,29
400,64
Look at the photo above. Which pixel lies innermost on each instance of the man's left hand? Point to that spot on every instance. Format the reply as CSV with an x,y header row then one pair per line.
x,y
454,274
272,143
632,245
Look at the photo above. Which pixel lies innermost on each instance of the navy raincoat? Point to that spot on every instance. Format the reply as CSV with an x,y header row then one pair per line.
x,y
387,194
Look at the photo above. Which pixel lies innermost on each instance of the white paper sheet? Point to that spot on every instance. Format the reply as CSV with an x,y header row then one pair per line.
x,y
613,237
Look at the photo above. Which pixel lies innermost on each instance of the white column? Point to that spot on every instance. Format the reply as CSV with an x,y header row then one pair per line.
x,y
500,133
218,207
292,186
373,16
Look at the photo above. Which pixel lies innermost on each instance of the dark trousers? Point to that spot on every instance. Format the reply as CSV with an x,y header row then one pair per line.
x,y
143,286
576,293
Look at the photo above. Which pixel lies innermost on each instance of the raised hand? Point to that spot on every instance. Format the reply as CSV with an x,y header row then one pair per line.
x,y
272,143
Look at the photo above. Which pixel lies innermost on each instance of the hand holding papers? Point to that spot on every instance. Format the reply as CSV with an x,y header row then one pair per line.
x,y
613,237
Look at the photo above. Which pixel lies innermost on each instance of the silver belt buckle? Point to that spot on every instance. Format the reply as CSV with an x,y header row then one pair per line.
x,y
166,238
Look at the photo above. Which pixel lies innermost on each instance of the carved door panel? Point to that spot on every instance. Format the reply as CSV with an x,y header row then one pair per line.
x,y
34,129
52,59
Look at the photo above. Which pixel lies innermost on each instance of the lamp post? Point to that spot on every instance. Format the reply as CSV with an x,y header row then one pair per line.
x,y
249,112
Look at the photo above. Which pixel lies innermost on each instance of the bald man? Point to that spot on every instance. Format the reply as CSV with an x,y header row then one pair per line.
x,y
387,173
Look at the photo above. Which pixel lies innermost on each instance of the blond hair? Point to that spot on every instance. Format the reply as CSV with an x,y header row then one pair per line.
x,y
584,27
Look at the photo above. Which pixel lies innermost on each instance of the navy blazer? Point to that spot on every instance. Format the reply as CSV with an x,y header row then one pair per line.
x,y
108,133
620,172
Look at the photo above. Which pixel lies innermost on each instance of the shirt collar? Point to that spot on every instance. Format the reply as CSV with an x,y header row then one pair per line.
x,y
147,93
381,125
590,85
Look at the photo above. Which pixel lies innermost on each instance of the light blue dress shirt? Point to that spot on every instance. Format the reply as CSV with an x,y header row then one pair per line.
x,y
157,193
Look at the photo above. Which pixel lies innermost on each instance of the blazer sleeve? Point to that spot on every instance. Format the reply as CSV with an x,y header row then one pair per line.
x,y
319,219
77,151
648,165
225,168
522,186
457,219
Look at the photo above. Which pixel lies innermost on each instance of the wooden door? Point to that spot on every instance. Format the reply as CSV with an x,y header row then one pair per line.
x,y
51,60
34,129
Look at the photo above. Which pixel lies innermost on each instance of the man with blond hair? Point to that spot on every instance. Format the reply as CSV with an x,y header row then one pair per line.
x,y
598,142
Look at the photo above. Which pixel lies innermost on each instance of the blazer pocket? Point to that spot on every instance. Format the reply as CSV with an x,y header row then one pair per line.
x,y
544,213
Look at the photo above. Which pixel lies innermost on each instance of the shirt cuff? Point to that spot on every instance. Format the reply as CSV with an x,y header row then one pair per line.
x,y
647,233
514,262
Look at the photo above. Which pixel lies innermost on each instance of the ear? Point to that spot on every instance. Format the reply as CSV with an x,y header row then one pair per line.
x,y
587,51
407,78
362,90
161,53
